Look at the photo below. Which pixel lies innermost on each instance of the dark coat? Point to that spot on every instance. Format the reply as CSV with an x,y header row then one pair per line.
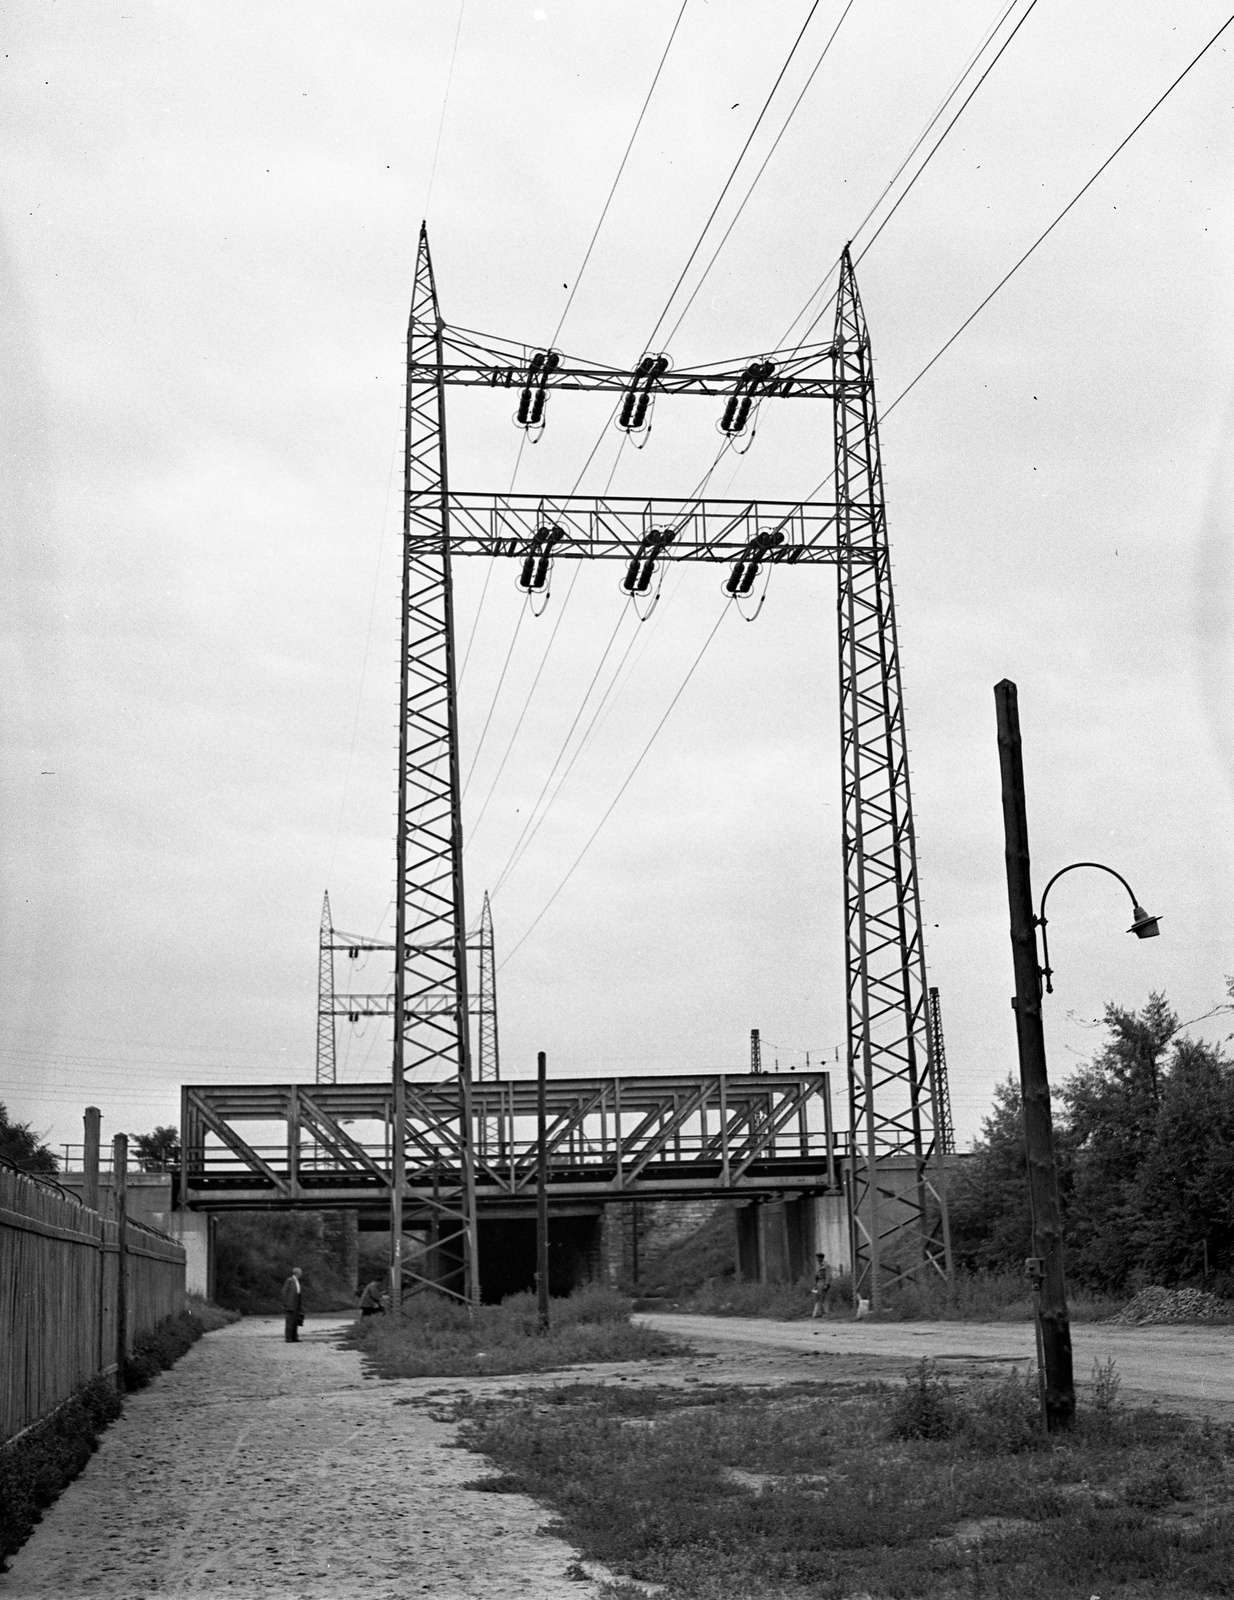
x,y
291,1294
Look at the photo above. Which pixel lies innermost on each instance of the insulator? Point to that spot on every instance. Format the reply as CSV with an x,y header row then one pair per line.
x,y
524,405
541,577
644,577
730,411
640,411
353,954
660,367
529,567
743,415
631,577
627,409
552,361
353,1016
537,361
537,408
766,370
748,577
645,367
733,582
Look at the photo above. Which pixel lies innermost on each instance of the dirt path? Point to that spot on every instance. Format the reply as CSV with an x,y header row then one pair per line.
x,y
1183,1369
256,1467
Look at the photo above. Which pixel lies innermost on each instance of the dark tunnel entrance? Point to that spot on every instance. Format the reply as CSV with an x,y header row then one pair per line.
x,y
508,1255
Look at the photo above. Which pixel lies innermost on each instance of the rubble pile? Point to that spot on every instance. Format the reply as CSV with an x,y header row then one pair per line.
x,y
1158,1305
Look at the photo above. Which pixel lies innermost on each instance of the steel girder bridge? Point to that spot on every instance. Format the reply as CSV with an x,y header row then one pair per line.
x,y
894,1110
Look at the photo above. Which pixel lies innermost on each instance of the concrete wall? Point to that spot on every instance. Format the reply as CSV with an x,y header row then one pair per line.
x,y
195,1231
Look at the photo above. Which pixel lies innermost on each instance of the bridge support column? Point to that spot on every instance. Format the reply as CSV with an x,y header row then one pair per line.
x,y
195,1231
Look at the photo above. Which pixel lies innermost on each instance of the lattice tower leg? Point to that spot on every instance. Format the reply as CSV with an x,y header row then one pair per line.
x,y
898,1185
430,965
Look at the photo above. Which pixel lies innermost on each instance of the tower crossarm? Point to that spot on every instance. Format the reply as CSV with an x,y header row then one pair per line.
x,y
616,528
477,360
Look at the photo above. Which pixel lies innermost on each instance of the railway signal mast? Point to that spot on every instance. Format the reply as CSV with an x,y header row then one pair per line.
x,y
898,1186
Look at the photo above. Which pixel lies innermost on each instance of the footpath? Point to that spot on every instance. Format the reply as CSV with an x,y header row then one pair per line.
x,y
259,1468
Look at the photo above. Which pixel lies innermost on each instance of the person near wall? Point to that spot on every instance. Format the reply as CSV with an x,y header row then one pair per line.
x,y
820,1286
293,1295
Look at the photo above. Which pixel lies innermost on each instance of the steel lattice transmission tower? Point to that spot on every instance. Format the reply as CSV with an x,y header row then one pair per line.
x,y
893,1098
488,1054
898,1190
326,1039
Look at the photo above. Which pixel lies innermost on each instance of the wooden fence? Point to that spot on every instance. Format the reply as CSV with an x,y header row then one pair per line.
x,y
69,1295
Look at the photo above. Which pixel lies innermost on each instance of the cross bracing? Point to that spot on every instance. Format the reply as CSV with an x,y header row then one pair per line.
x,y
899,1229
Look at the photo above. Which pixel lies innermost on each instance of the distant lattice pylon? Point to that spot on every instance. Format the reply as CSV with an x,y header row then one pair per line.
x,y
326,1060
488,1057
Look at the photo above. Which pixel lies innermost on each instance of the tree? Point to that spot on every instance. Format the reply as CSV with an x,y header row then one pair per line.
x,y
1186,1181
988,1194
157,1151
1112,1107
21,1147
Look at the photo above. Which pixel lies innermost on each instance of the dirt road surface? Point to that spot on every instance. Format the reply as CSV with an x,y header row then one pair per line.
x,y
1183,1369
256,1467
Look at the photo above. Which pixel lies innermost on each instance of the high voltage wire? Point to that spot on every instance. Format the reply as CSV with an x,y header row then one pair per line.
x,y
445,101
1044,235
668,338
604,213
909,387
625,785
728,181
522,443
668,303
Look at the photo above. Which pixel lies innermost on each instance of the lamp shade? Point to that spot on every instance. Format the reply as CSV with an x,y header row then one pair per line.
x,y
1144,926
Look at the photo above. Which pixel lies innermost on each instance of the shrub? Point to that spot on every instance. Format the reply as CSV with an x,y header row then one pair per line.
x,y
37,1465
926,1407
1004,1417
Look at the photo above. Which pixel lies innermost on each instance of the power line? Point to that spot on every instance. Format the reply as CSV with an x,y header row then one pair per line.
x,y
445,101
625,785
728,181
1045,234
604,213
668,338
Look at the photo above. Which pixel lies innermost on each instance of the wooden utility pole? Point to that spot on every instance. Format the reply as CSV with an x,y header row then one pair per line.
x,y
119,1179
542,1187
1045,1265
90,1159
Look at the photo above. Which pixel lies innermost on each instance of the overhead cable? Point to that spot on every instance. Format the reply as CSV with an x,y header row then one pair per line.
x,y
578,277
1045,234
612,805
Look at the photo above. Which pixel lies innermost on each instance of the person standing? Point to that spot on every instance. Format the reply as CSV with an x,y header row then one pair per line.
x,y
822,1283
293,1295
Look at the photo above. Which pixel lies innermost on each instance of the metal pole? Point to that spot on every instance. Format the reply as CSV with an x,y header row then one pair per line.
x,y
542,1188
90,1159
1046,1262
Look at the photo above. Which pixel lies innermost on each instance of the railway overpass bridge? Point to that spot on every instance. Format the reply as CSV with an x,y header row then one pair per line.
x,y
764,1143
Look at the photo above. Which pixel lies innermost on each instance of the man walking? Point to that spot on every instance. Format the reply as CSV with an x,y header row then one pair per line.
x,y
822,1283
292,1317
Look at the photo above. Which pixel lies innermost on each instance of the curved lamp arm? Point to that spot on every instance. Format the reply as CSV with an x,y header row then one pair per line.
x,y
1143,925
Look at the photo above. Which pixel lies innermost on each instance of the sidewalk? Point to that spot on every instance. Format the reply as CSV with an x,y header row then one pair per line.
x,y
257,1468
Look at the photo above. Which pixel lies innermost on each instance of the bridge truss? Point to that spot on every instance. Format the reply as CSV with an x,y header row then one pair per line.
x,y
899,1229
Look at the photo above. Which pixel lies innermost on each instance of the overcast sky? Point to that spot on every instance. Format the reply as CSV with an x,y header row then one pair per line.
x,y
210,218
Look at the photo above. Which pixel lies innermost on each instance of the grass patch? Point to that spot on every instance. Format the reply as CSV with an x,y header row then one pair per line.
x,y
438,1338
828,1491
38,1465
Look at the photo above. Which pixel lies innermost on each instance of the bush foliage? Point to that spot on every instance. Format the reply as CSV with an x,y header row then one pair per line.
x,y
1144,1137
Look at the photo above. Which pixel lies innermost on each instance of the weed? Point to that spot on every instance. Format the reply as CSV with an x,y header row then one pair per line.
x,y
824,1504
925,1408
438,1338
1104,1385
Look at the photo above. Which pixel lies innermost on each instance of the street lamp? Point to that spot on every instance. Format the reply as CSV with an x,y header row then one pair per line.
x,y
1046,1262
1144,925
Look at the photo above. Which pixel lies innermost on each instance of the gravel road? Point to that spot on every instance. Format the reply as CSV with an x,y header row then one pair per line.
x,y
256,1467
1188,1369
